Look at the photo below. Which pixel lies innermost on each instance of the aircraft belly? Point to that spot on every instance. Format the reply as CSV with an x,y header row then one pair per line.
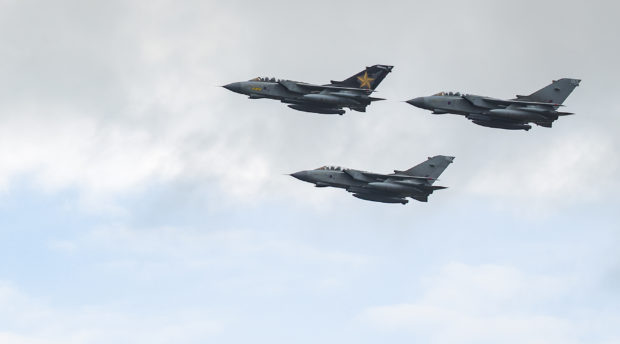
x,y
503,124
330,99
394,189
516,114
314,109
264,96
293,100
379,198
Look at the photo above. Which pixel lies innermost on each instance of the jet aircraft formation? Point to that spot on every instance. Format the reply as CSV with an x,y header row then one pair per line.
x,y
354,93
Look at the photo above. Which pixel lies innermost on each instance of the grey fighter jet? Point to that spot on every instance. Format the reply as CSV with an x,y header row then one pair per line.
x,y
416,182
353,93
539,107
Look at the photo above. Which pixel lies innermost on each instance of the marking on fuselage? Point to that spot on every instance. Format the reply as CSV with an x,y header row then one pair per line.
x,y
257,89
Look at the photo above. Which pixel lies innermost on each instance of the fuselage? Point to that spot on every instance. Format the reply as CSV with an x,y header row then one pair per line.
x,y
328,177
261,89
445,104
325,101
338,178
489,112
476,105
415,182
539,107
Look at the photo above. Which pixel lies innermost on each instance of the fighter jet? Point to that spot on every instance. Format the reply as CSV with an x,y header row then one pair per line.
x,y
353,93
416,182
539,107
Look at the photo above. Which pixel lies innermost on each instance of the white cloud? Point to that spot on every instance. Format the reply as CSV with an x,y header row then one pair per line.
x,y
268,261
24,319
77,153
115,99
137,107
125,98
490,304
571,168
204,247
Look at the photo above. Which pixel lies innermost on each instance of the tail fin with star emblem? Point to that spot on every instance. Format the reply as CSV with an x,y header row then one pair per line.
x,y
369,78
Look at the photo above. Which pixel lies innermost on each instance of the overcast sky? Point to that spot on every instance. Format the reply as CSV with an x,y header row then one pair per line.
x,y
142,203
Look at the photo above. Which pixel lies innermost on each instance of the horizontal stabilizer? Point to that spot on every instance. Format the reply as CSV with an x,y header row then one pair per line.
x,y
545,124
421,198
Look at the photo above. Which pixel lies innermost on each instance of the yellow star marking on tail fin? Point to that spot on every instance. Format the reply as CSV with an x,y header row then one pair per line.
x,y
365,80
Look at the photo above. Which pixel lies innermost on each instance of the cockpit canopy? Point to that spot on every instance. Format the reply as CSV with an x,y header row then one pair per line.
x,y
457,94
264,79
330,168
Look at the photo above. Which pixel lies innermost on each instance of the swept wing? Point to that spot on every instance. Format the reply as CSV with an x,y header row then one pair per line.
x,y
369,176
302,87
518,102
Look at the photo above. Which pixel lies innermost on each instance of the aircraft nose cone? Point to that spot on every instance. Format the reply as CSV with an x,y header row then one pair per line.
x,y
417,102
301,175
235,87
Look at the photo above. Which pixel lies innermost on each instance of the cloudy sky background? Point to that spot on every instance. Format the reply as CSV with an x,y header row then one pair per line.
x,y
140,202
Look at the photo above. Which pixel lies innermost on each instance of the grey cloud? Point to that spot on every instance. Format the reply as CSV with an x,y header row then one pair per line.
x,y
129,69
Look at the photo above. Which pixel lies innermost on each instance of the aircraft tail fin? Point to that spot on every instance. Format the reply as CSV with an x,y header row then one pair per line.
x,y
556,92
431,168
369,78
